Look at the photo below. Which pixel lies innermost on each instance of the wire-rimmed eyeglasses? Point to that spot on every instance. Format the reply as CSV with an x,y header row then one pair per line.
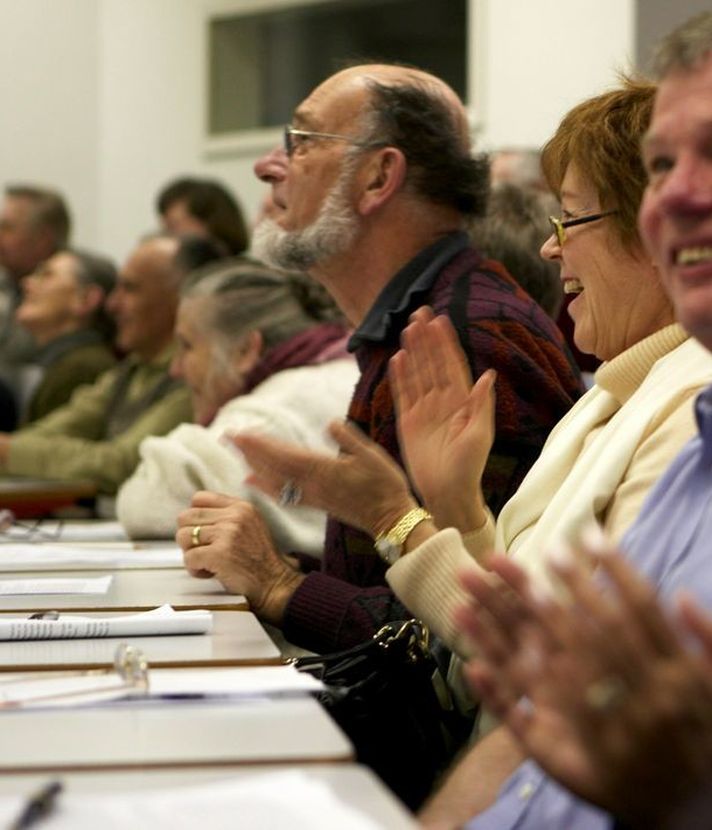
x,y
559,225
291,133
12,530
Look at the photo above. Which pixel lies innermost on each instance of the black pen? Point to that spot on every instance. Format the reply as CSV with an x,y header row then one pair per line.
x,y
38,805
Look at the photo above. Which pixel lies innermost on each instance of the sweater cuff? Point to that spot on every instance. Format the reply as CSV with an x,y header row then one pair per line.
x,y
480,542
427,582
316,611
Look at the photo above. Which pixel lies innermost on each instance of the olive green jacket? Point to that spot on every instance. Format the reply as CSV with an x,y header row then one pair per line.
x,y
68,362
95,437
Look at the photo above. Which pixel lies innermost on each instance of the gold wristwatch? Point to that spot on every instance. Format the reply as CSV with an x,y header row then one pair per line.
x,y
390,543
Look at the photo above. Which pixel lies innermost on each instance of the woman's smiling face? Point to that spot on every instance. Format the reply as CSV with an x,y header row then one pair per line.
x,y
620,298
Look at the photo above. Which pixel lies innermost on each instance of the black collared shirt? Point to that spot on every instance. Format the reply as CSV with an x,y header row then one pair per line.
x,y
388,315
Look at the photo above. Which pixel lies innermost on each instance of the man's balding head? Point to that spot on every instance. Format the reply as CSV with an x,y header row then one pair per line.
x,y
423,117
376,166
145,299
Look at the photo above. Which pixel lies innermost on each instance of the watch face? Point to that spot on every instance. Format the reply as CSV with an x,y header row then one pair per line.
x,y
388,551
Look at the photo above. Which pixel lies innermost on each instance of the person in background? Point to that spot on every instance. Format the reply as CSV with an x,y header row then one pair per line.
x,y
34,224
259,350
518,166
96,435
203,207
512,232
64,309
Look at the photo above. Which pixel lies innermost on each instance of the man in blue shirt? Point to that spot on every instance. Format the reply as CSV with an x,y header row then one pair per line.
x,y
670,542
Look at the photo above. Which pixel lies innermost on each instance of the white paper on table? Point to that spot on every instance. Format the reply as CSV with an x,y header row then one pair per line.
x,y
56,557
18,587
268,801
62,689
246,681
160,621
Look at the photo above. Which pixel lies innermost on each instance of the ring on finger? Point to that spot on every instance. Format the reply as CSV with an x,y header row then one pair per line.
x,y
291,494
195,536
605,694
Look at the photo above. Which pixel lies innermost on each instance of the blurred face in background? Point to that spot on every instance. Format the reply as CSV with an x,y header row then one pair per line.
x,y
213,366
55,302
178,220
145,299
23,244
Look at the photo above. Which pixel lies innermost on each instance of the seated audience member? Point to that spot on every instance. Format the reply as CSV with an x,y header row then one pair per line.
x,y
63,308
518,166
256,353
34,224
371,195
669,542
96,435
517,220
605,454
202,207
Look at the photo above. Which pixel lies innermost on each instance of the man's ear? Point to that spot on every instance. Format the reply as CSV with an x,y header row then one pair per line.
x,y
88,300
381,178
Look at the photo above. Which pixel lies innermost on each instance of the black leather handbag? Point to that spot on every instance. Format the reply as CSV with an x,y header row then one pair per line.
x,y
389,697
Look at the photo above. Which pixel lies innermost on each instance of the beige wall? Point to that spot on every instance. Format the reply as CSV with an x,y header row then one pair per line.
x,y
104,98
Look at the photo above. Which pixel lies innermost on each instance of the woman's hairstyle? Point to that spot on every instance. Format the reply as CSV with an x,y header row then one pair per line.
x,y
246,296
601,137
91,269
214,205
512,232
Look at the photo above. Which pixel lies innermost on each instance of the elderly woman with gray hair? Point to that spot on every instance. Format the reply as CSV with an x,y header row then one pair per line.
x,y
260,351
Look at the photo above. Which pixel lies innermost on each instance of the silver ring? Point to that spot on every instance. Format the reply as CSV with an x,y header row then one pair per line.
x,y
291,494
605,694
195,536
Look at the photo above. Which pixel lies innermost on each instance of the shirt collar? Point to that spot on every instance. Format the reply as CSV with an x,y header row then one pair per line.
x,y
396,301
703,413
161,361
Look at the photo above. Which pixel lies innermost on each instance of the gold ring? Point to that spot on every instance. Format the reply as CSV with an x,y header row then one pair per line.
x,y
605,694
195,536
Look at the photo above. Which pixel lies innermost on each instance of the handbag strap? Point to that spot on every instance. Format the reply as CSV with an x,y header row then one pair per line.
x,y
412,633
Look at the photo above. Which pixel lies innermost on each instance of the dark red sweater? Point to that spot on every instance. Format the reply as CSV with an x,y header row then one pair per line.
x,y
499,326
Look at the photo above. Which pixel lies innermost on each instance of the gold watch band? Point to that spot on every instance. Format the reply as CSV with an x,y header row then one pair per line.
x,y
399,532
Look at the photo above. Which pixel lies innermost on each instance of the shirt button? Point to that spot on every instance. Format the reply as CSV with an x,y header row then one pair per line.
x,y
526,790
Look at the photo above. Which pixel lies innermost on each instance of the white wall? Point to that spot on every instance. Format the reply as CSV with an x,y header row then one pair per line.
x,y
152,113
534,59
104,98
48,95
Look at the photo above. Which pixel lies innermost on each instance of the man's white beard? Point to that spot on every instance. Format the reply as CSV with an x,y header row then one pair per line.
x,y
330,234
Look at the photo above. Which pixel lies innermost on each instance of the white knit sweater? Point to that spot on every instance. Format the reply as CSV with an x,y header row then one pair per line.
x,y
294,405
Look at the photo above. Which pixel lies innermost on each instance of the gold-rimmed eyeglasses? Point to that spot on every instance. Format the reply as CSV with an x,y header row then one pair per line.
x,y
292,137
559,225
